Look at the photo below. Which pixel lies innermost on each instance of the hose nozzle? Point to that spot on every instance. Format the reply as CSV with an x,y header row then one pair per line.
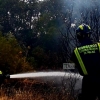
x,y
7,76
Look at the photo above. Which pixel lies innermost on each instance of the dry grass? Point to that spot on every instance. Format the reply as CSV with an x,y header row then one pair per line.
x,y
33,90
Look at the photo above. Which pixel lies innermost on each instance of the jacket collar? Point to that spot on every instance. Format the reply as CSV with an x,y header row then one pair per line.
x,y
86,42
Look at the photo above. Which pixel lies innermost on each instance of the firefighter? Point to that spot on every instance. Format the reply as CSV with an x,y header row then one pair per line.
x,y
3,76
86,57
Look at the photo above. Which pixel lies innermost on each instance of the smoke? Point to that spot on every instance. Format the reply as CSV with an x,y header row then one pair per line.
x,y
80,6
73,25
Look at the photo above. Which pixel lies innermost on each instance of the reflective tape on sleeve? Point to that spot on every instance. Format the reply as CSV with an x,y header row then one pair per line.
x,y
0,72
80,61
99,46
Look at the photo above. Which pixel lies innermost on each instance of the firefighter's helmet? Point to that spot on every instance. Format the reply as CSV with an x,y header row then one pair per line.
x,y
83,31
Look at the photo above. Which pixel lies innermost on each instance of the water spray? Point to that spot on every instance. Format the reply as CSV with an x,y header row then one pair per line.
x,y
67,66
37,74
57,77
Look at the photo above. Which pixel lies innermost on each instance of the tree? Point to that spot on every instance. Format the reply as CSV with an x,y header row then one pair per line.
x,y
11,58
92,18
85,12
17,17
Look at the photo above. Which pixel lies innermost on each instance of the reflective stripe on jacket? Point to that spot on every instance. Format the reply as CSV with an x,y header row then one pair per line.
x,y
85,52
